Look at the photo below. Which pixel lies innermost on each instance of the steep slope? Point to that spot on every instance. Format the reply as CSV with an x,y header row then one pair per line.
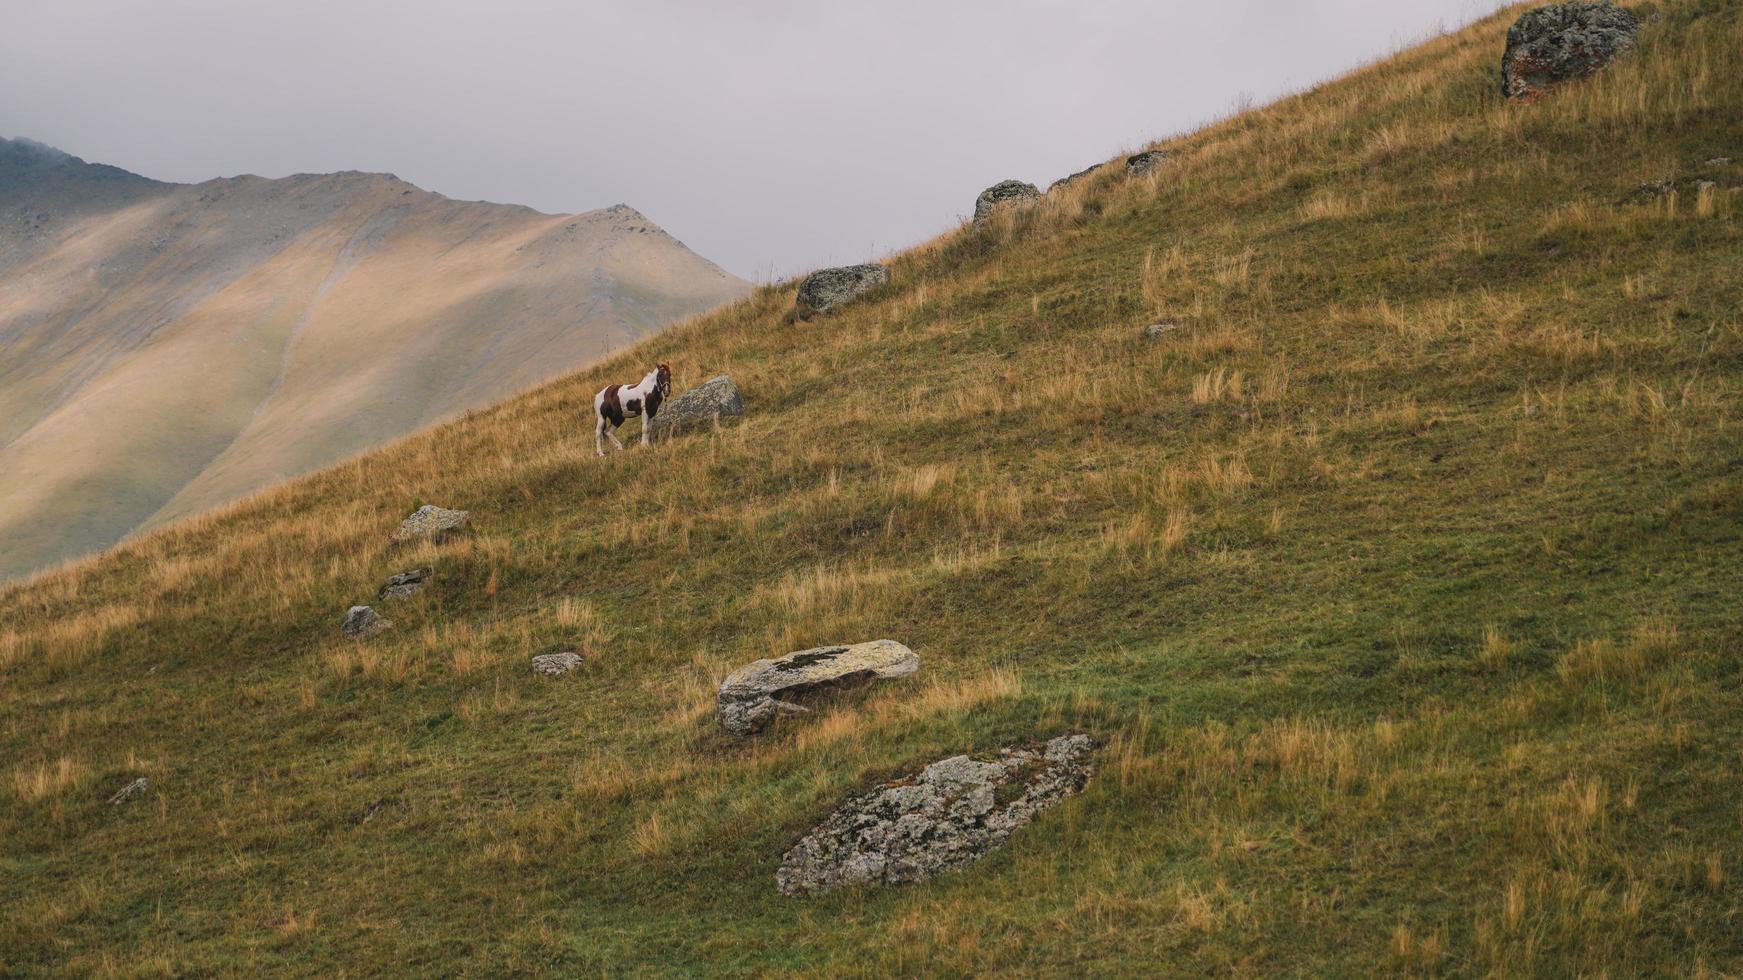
x,y
166,348
1399,584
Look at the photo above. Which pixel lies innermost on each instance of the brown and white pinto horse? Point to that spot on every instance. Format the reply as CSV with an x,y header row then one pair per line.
x,y
614,403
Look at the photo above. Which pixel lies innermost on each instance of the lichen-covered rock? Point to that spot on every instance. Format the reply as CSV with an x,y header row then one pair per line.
x,y
715,399
824,290
409,582
361,622
430,521
757,693
950,815
132,790
1139,164
1561,43
1005,193
556,664
1156,331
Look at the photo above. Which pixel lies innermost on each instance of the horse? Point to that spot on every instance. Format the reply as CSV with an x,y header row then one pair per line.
x,y
616,402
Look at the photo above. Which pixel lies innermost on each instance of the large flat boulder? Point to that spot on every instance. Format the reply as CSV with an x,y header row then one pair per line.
x,y
716,399
430,521
948,816
1562,42
757,693
824,290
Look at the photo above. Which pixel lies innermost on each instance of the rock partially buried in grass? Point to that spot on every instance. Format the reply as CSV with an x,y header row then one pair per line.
x,y
132,790
361,622
1560,43
1069,179
1139,164
1156,331
950,815
824,290
715,399
406,583
556,664
757,693
1004,194
430,521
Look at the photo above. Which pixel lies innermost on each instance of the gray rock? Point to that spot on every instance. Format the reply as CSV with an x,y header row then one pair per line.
x,y
715,399
361,622
1563,42
950,815
1719,162
1139,164
556,664
132,790
757,693
430,521
1005,193
1156,331
1705,185
1069,179
406,583
824,290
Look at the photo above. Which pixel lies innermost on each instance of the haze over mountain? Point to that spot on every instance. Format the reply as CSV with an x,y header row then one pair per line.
x,y
168,347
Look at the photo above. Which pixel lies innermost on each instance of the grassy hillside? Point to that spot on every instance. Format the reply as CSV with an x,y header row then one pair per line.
x,y
1401,583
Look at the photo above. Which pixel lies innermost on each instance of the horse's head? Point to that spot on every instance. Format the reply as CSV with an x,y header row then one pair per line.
x,y
663,379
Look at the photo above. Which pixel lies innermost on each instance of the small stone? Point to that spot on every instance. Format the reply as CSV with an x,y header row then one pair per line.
x,y
1156,331
1005,193
757,693
405,583
1139,164
362,621
714,400
1719,162
1705,185
430,521
132,790
824,290
1562,42
556,664
951,814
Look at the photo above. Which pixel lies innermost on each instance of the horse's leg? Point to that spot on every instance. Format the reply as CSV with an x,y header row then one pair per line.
x,y
647,420
598,435
610,431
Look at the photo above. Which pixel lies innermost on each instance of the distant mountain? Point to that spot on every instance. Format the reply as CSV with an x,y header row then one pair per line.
x,y
168,347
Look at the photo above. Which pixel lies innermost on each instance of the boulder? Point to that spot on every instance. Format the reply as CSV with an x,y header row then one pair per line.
x,y
948,816
1005,193
556,664
716,399
824,290
430,521
1139,164
756,693
361,622
1069,179
134,789
406,583
1560,43
1156,331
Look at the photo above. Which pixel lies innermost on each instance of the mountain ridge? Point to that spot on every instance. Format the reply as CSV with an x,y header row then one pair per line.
x,y
120,291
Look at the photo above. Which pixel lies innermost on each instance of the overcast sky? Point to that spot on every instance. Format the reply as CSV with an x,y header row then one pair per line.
x,y
773,136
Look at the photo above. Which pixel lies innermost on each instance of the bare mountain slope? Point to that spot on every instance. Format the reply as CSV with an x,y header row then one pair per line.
x,y
165,348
